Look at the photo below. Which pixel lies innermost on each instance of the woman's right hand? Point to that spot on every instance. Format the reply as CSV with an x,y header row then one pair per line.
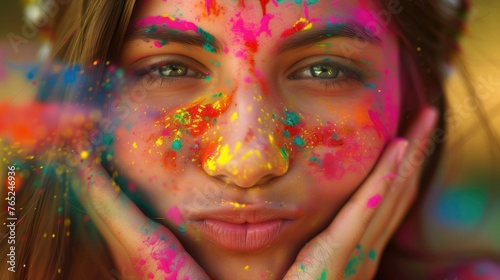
x,y
141,247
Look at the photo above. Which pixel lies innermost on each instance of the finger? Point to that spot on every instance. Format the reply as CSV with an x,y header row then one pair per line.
x,y
398,201
394,208
328,252
152,249
406,186
418,137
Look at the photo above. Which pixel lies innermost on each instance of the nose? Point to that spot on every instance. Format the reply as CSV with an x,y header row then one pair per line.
x,y
247,151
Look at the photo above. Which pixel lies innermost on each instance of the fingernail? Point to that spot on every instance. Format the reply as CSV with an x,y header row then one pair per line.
x,y
402,146
431,115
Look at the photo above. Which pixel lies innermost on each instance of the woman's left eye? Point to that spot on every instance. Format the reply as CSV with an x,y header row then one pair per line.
x,y
323,71
328,74
174,70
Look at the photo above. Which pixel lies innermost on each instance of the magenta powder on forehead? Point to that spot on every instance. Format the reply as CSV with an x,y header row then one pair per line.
x,y
168,22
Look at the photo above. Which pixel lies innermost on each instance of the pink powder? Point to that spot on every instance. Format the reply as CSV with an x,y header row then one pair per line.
x,y
374,201
264,25
178,24
207,4
381,130
157,44
333,168
174,214
167,264
306,10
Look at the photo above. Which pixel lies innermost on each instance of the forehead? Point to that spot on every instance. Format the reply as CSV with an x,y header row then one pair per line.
x,y
267,17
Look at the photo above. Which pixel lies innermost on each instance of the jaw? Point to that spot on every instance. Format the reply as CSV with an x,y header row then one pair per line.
x,y
268,263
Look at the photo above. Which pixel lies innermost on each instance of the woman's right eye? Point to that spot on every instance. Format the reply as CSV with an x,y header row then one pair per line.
x,y
169,72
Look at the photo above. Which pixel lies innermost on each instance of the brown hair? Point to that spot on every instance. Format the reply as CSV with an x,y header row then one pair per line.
x,y
53,242
89,30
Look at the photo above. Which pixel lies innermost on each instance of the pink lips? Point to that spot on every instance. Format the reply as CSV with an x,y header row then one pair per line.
x,y
247,229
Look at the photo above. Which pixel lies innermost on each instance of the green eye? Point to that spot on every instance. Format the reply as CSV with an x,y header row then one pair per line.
x,y
173,70
324,71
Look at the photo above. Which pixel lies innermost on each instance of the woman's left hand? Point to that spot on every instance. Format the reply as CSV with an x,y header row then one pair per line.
x,y
351,246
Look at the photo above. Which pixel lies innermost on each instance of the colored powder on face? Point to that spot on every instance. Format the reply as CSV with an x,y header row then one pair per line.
x,y
374,201
213,9
332,167
160,44
152,29
169,159
264,25
298,141
247,36
182,229
209,39
176,145
315,160
174,214
379,127
263,4
198,117
262,81
208,4
300,25
292,119
283,153
224,156
168,22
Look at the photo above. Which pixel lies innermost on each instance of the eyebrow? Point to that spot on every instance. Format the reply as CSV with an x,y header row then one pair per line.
x,y
350,29
200,38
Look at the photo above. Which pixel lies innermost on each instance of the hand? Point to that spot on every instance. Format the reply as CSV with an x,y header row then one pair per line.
x,y
351,246
140,246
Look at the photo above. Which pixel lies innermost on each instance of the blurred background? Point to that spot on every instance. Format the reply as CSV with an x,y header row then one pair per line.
x,y
481,53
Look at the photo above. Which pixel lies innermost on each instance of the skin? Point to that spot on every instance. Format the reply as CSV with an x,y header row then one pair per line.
x,y
239,160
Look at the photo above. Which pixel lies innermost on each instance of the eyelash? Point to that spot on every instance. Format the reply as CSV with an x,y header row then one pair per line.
x,y
349,76
147,73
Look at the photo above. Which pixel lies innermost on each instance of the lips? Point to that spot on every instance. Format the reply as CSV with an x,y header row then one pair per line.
x,y
244,229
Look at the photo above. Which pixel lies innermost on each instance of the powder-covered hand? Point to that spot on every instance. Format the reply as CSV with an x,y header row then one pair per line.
x,y
351,246
142,248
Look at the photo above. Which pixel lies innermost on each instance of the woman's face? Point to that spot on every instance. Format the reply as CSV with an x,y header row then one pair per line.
x,y
252,122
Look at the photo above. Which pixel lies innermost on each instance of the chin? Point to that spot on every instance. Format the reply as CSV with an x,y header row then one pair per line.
x,y
268,263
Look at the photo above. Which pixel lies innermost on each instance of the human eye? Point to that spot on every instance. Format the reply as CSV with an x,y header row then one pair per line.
x,y
328,73
169,71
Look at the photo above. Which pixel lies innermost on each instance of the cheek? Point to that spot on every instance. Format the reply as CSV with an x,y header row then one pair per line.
x,y
349,160
344,150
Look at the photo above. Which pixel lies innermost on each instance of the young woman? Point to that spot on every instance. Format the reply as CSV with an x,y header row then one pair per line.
x,y
231,139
